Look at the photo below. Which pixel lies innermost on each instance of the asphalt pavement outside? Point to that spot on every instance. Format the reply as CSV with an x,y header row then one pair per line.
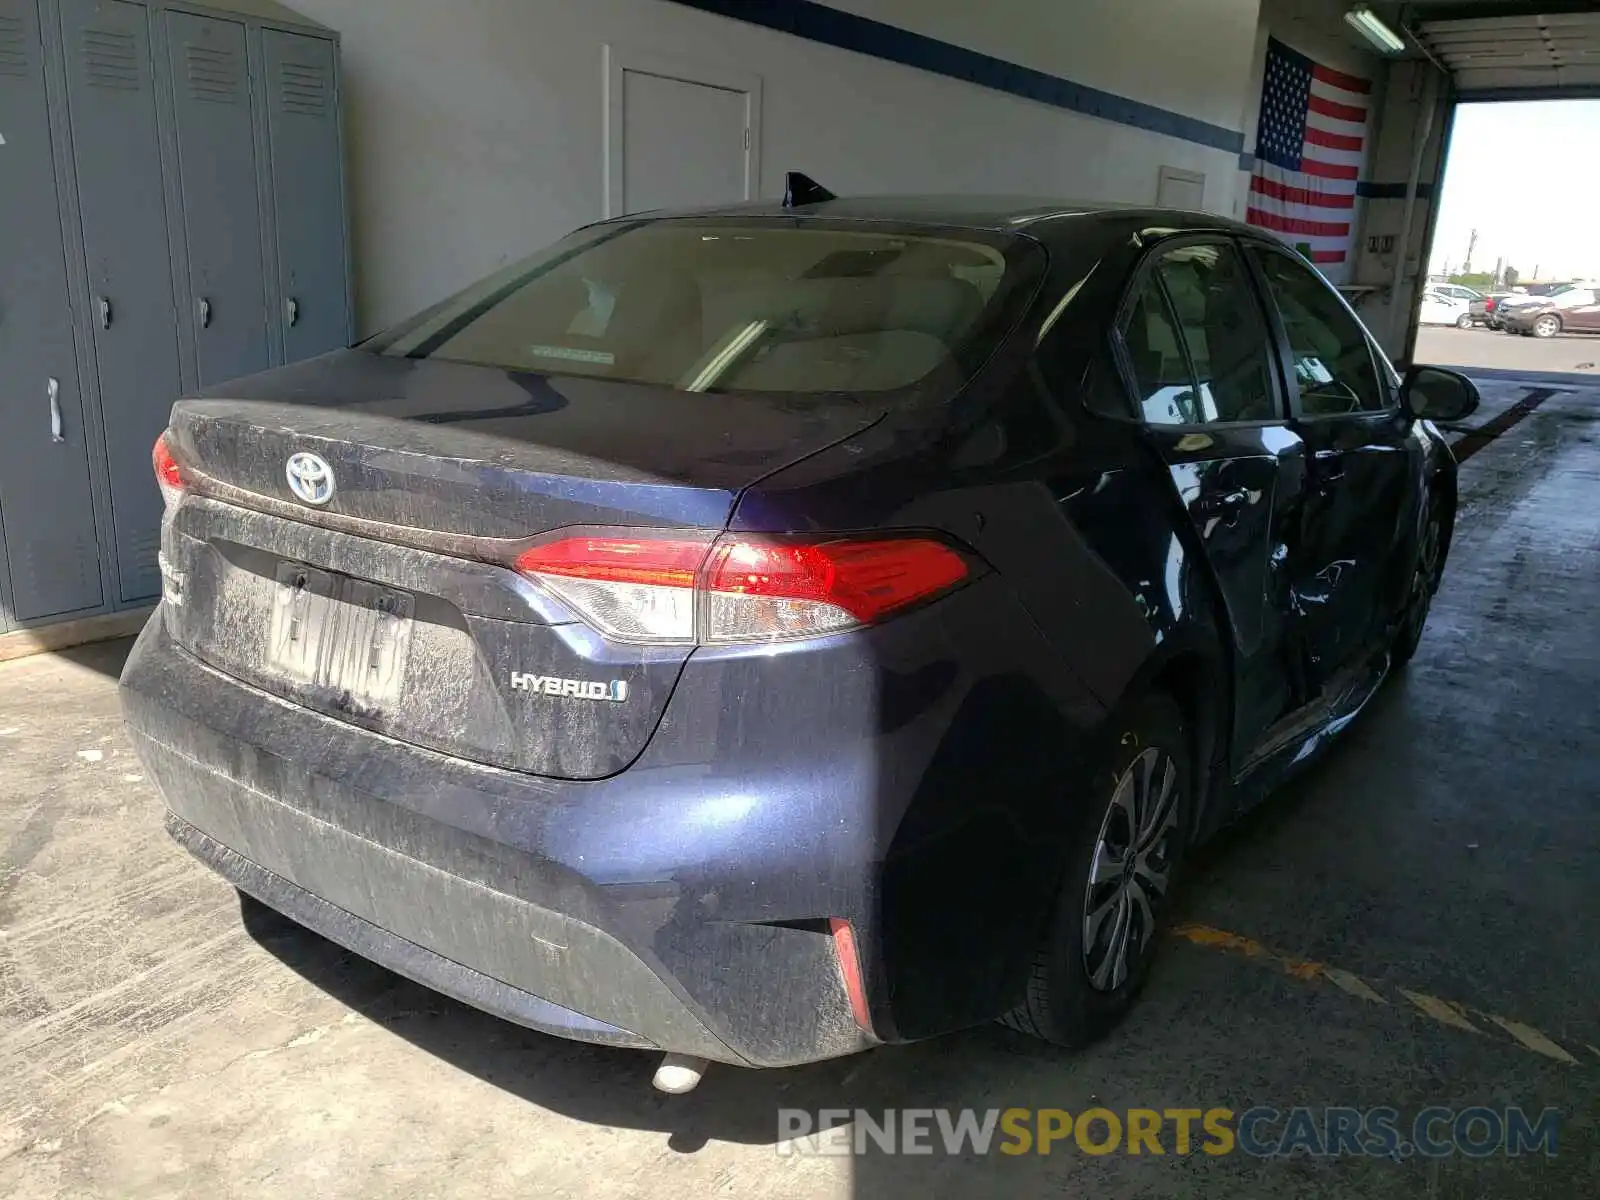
x,y
1507,353
1413,923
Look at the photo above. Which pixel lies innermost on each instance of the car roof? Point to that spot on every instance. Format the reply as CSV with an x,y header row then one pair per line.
x,y
1040,216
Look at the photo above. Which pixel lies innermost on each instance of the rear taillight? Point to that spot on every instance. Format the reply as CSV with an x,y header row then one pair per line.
x,y
1488,305
738,588
169,475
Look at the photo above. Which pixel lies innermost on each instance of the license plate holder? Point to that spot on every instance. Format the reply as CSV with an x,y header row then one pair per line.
x,y
342,636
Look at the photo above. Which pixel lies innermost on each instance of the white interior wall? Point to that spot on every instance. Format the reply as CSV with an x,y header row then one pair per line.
x,y
474,129
1183,56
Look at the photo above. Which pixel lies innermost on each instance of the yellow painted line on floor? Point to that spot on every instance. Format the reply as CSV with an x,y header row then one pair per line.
x,y
1532,1039
1435,1008
1353,984
1440,1010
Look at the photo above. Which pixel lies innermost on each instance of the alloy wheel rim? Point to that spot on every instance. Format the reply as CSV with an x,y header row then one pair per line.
x,y
1131,868
1547,326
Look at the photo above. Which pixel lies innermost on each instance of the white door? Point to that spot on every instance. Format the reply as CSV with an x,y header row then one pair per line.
x,y
678,136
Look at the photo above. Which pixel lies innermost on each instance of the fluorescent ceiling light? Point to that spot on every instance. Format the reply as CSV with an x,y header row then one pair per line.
x,y
1362,20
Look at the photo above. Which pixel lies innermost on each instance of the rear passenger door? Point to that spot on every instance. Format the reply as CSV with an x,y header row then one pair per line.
x,y
1195,351
1586,316
1362,459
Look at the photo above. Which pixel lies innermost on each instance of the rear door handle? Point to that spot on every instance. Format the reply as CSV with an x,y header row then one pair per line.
x,y
1224,504
1329,468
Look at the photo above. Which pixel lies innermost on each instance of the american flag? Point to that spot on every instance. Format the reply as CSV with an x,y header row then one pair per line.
x,y
1309,146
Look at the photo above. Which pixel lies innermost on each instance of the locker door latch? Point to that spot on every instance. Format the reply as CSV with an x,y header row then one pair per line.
x,y
53,390
291,309
105,313
203,306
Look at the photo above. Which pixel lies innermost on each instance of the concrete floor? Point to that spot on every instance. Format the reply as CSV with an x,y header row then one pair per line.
x,y
152,1045
1575,353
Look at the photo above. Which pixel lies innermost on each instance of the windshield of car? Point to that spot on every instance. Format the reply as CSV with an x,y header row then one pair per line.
x,y
706,305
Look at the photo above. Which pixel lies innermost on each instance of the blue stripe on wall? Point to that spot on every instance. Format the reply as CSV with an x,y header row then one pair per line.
x,y
819,23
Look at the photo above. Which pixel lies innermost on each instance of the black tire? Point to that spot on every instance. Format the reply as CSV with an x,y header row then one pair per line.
x,y
1463,322
1063,1004
1547,326
1425,575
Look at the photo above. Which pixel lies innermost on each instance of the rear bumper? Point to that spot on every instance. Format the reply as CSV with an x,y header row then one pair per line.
x,y
396,953
915,780
464,878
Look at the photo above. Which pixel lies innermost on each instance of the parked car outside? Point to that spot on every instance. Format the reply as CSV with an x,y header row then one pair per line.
x,y
1436,308
1456,291
1485,310
766,632
1575,310
1533,294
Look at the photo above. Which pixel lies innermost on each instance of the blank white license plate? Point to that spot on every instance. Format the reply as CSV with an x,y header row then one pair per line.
x,y
338,634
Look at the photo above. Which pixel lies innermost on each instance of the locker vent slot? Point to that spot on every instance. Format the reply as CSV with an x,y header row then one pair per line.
x,y
140,576
213,74
304,88
60,565
13,47
111,59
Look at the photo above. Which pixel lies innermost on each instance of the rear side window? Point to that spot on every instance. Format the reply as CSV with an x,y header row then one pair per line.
x,y
1163,382
1197,342
753,305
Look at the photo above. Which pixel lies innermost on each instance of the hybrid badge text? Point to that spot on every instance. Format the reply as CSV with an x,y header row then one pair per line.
x,y
576,689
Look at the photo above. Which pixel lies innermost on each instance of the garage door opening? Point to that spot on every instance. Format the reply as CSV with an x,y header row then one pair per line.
x,y
1514,275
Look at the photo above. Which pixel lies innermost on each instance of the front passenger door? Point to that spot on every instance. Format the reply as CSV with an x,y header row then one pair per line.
x,y
1359,505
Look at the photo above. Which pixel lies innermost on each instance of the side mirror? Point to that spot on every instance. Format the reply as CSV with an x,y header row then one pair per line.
x,y
1436,394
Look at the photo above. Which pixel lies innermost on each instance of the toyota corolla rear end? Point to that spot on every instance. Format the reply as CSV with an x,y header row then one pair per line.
x,y
474,656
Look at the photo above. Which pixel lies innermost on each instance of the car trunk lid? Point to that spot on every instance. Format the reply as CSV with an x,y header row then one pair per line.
x,y
393,605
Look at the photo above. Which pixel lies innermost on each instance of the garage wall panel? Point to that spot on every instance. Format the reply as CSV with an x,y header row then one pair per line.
x,y
475,131
1188,57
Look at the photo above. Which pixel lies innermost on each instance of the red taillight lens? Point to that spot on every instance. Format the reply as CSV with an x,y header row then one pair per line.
x,y
643,587
1488,305
762,589
169,475
635,588
658,562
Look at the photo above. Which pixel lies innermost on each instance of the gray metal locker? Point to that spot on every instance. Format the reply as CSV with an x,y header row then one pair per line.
x,y
46,509
171,215
211,101
308,191
117,154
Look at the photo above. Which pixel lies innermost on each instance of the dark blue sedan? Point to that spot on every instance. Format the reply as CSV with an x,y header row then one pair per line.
x,y
758,634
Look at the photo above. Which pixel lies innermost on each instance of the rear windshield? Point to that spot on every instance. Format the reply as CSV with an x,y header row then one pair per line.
x,y
753,305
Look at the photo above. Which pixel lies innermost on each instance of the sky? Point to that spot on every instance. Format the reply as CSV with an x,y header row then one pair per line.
x,y
1527,178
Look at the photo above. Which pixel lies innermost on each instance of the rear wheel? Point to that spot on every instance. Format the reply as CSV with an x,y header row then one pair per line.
x,y
1463,322
1547,326
1122,864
